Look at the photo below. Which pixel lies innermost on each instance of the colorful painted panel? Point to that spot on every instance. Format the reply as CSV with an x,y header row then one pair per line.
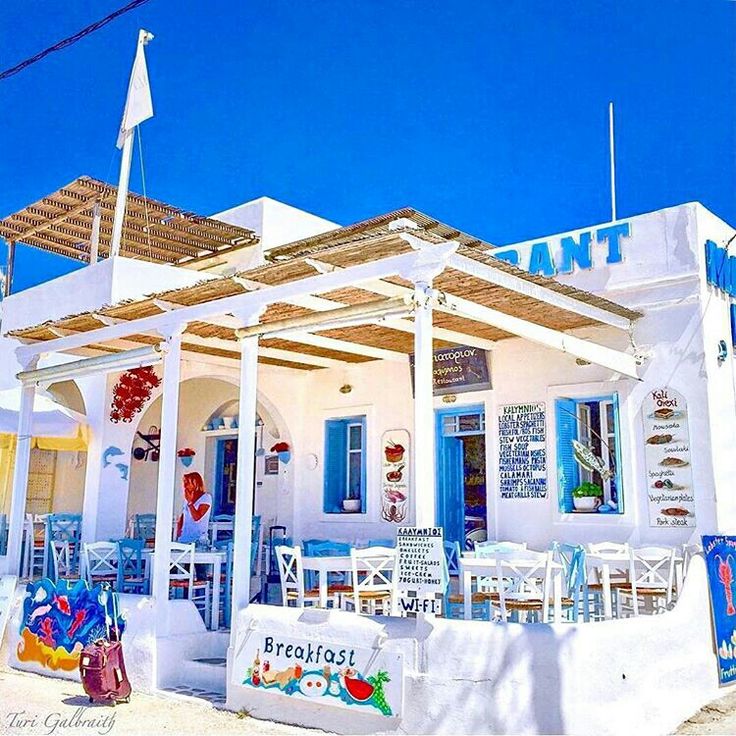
x,y
322,672
59,620
395,461
720,558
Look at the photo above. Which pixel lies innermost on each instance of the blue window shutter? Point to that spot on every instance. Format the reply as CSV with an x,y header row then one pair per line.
x,y
335,465
568,473
619,465
363,455
733,325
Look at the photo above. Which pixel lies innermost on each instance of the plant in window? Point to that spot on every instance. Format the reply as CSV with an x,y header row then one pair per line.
x,y
587,497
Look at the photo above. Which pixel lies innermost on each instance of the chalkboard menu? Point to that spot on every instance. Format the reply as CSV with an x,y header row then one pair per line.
x,y
522,460
457,370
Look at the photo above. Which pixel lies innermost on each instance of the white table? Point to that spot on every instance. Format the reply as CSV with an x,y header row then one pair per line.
x,y
485,567
325,565
215,558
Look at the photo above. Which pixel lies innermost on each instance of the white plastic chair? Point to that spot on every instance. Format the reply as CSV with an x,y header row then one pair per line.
x,y
651,578
35,550
100,562
374,589
291,574
181,577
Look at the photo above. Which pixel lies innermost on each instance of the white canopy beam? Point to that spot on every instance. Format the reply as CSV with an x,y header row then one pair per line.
x,y
496,276
615,360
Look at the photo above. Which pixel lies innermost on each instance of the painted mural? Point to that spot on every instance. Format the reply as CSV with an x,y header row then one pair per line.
x,y
336,675
720,558
59,620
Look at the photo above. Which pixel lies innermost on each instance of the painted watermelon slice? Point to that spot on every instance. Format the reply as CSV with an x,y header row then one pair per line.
x,y
359,690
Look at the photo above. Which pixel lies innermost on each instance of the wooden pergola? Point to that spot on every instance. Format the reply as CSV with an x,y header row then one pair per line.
x,y
64,223
381,294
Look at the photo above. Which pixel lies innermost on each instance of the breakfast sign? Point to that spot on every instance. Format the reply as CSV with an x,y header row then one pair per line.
x,y
394,475
363,679
667,452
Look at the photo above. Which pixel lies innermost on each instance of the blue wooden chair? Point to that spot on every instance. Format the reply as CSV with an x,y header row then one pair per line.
x,y
335,580
131,574
144,526
454,602
226,579
65,528
575,588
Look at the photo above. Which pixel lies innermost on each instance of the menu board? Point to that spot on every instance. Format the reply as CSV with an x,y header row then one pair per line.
x,y
667,452
522,451
457,370
420,552
394,475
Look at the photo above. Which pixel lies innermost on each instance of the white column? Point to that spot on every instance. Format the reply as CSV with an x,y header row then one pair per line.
x,y
245,473
20,478
166,477
95,399
424,459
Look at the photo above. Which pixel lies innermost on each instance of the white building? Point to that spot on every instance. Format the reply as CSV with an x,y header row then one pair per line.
x,y
613,335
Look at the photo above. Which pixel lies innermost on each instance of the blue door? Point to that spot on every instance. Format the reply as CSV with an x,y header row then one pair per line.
x,y
226,458
461,473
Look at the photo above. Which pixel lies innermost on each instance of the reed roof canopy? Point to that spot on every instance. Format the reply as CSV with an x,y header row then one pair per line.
x,y
488,286
61,223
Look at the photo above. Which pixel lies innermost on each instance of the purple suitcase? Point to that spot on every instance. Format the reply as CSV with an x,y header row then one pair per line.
x,y
102,668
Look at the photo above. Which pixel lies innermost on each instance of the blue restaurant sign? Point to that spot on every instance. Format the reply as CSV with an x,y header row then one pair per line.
x,y
457,370
720,557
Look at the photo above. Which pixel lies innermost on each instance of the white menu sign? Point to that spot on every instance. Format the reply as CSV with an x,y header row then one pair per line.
x,y
667,451
522,451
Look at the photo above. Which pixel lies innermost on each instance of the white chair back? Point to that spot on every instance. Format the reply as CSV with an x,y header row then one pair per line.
x,y
181,563
652,568
100,561
291,574
373,573
61,559
525,576
609,548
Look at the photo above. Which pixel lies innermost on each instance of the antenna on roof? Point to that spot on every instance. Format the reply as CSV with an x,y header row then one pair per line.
x,y
612,158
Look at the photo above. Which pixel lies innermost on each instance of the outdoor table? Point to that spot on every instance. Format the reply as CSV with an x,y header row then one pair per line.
x,y
324,566
602,564
486,567
215,558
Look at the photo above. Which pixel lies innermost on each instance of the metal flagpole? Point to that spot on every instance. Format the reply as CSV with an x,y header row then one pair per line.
x,y
122,197
612,152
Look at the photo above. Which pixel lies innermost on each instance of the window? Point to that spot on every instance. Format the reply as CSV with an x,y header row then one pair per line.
x,y
345,464
457,425
594,423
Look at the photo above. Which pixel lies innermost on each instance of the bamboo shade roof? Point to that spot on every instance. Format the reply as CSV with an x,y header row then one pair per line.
x,y
61,223
355,248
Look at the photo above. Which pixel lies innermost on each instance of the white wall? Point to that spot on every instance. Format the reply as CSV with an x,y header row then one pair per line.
x,y
609,678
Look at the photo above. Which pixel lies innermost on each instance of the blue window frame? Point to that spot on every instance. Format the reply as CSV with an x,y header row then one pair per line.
x,y
594,422
345,464
733,326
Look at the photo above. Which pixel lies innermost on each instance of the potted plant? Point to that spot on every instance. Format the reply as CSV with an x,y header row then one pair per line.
x,y
587,497
186,455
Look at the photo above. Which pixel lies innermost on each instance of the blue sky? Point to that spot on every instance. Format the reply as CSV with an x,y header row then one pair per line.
x,y
489,115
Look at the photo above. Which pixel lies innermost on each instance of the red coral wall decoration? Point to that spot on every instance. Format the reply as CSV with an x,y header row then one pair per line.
x,y
131,392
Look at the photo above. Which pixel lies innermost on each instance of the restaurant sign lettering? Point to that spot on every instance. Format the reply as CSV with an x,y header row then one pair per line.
x,y
720,559
667,451
361,678
522,451
458,370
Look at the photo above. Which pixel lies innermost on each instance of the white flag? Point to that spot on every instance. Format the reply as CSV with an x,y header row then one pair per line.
x,y
138,104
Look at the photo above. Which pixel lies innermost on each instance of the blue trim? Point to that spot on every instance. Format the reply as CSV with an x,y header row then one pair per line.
x,y
336,459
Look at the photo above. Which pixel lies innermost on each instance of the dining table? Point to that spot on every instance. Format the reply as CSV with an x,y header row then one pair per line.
x,y
213,558
324,565
485,567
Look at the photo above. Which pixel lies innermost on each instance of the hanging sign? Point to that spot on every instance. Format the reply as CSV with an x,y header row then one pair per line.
x,y
522,451
420,573
360,678
458,370
667,453
394,475
720,558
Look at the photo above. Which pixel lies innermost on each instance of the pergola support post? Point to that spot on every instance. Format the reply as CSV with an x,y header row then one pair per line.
x,y
20,477
245,478
424,462
166,477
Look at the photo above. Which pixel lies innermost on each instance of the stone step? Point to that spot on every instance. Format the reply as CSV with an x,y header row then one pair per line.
x,y
207,674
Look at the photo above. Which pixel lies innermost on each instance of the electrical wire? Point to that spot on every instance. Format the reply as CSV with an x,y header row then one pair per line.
x,y
71,39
